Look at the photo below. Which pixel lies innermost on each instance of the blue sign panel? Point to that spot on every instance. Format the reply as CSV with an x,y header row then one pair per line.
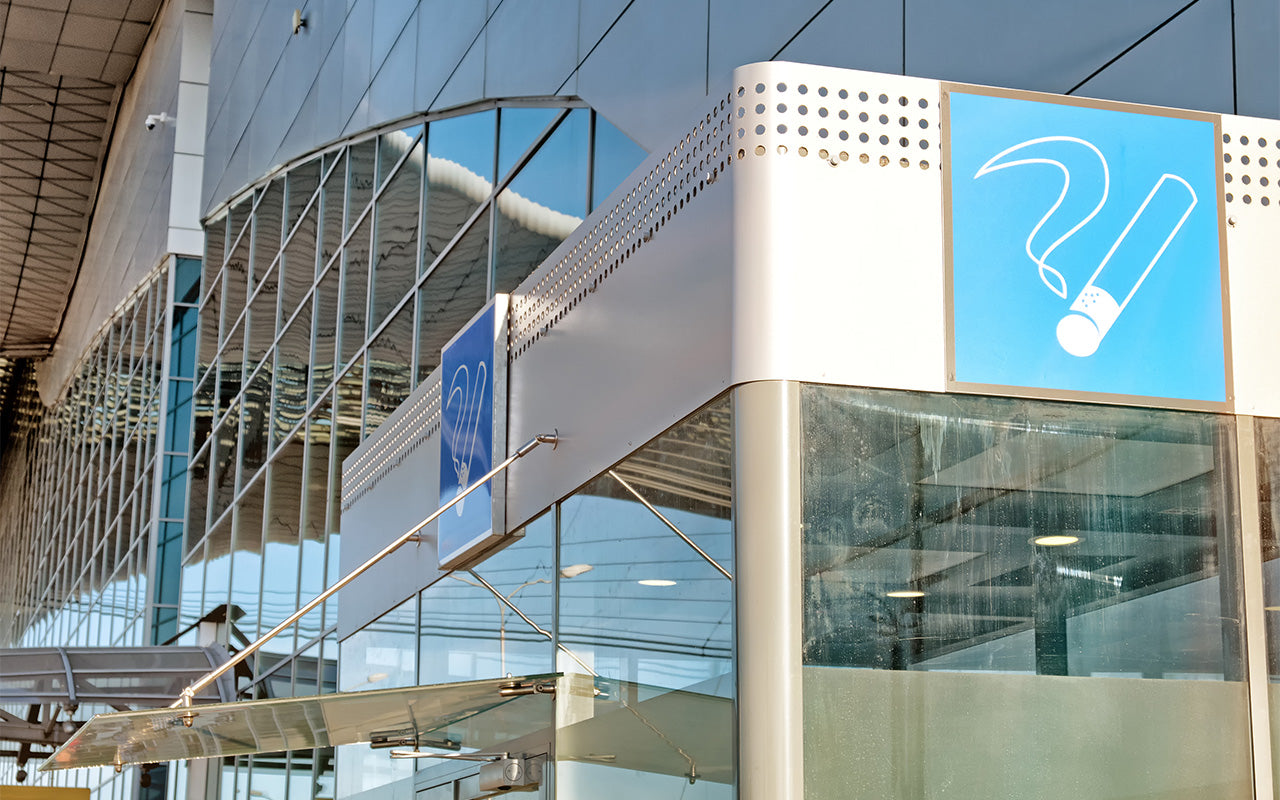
x,y
466,435
1085,249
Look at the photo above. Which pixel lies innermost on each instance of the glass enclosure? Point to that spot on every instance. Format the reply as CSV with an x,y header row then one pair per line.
x,y
1002,592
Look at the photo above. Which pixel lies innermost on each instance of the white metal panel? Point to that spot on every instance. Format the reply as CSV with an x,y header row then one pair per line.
x,y
838,242
1251,149
389,484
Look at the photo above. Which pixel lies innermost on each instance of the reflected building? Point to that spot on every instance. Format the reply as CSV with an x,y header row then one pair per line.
x,y
798,503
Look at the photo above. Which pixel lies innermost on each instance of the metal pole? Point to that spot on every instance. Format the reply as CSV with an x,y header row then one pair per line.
x,y
189,693
671,525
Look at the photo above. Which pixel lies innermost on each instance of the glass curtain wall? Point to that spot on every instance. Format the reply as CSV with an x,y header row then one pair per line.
x,y
91,485
642,622
1061,578
328,292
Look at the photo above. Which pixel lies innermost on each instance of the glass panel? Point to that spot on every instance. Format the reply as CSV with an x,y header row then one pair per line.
x,y
246,565
186,281
649,615
452,294
182,361
255,432
390,363
355,291
178,419
392,147
360,179
302,182
614,158
215,246
280,536
468,634
381,655
544,203
472,714
267,221
958,550
235,288
396,239
224,472
333,197
298,264
261,322
217,573
326,321
459,176
292,373
199,505
518,129
315,499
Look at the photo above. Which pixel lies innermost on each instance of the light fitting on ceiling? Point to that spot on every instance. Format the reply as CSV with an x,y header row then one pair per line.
x,y
1055,540
905,593
656,582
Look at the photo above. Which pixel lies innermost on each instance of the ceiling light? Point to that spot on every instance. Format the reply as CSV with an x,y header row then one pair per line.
x,y
656,582
908,593
574,570
1055,540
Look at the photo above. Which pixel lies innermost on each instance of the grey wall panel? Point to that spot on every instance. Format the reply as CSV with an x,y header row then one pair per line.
x,y
391,94
595,17
467,81
1041,46
1187,64
630,360
536,47
1257,59
400,497
743,33
855,34
446,31
648,74
357,41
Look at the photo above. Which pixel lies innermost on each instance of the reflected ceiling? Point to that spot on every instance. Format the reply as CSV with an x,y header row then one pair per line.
x,y
62,66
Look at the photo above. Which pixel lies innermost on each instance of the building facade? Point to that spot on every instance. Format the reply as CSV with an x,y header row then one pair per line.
x,y
797,533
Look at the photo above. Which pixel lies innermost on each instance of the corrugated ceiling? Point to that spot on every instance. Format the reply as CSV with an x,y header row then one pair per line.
x,y
62,66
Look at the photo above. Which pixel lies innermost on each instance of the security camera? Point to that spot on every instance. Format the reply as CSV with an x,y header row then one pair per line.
x,y
157,119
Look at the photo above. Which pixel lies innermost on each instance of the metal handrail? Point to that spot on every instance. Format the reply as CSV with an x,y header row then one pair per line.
x,y
188,694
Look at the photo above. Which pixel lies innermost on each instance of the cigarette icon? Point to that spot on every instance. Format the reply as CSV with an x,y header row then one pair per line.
x,y
1126,265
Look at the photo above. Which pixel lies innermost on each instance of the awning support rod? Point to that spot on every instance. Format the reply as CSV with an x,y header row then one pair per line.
x,y
188,694
683,536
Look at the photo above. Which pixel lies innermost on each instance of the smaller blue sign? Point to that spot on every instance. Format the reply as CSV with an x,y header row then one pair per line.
x,y
467,435
1085,249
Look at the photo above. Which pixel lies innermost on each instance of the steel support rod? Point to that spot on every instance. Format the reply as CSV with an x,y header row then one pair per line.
x,y
189,693
670,525
541,630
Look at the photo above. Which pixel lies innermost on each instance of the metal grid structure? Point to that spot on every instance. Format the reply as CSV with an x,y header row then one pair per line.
x,y
61,73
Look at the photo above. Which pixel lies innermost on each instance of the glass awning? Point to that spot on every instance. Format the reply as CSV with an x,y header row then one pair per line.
x,y
119,677
476,715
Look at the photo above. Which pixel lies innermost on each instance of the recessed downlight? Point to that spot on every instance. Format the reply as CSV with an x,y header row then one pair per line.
x,y
908,593
1055,540
656,582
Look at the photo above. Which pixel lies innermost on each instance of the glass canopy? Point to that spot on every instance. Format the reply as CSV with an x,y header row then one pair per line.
x,y
475,715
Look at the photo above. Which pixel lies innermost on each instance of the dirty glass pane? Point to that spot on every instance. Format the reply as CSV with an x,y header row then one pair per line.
x,y
1011,568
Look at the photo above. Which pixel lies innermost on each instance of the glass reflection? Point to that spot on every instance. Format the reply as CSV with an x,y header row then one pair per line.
x,y
292,373
649,616
324,358
360,178
280,541
333,199
544,203
468,634
959,533
390,360
355,291
268,219
518,129
460,157
298,264
452,294
396,238
614,158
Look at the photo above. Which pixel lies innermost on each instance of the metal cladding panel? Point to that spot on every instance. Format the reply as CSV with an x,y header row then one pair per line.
x,y
389,484
624,330
1252,207
838,242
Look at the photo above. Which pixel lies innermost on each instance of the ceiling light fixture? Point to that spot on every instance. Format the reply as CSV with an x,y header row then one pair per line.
x,y
1055,540
906,593
656,582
